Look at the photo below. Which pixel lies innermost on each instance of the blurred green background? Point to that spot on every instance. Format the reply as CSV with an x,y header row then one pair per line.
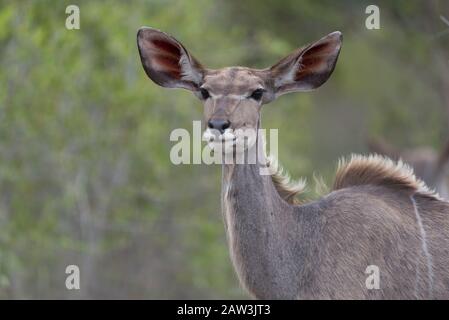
x,y
85,176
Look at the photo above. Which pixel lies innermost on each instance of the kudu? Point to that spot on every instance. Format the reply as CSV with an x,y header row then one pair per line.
x,y
428,164
378,213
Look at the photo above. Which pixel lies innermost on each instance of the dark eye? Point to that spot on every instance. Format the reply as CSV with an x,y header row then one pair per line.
x,y
257,94
204,93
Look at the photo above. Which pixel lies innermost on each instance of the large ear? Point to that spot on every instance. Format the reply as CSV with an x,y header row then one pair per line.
x,y
307,68
166,61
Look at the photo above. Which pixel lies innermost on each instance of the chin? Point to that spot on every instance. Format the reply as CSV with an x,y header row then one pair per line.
x,y
230,142
237,146
224,147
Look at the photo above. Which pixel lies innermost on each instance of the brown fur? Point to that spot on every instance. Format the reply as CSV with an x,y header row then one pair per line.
x,y
287,189
428,164
380,171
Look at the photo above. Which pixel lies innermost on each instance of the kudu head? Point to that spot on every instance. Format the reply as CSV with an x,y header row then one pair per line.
x,y
233,96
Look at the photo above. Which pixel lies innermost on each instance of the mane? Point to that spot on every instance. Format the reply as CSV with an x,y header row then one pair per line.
x,y
381,171
287,188
358,170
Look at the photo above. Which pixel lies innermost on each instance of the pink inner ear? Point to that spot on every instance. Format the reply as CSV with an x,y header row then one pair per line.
x,y
326,47
166,57
166,46
315,59
167,65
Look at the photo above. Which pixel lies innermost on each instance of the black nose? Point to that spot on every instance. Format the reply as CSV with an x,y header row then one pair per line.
x,y
219,124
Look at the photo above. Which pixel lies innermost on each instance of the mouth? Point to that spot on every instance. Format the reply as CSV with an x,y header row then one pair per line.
x,y
227,141
210,135
222,145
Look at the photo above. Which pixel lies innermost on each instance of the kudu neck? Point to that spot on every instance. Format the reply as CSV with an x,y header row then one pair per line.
x,y
252,160
258,224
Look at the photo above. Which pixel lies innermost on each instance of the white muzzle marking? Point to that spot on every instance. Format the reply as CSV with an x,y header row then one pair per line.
x,y
240,139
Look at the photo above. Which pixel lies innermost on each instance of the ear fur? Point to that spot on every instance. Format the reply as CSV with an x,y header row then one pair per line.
x,y
166,61
309,67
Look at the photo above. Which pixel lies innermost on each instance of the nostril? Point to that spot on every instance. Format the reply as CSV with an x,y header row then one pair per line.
x,y
226,125
218,124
